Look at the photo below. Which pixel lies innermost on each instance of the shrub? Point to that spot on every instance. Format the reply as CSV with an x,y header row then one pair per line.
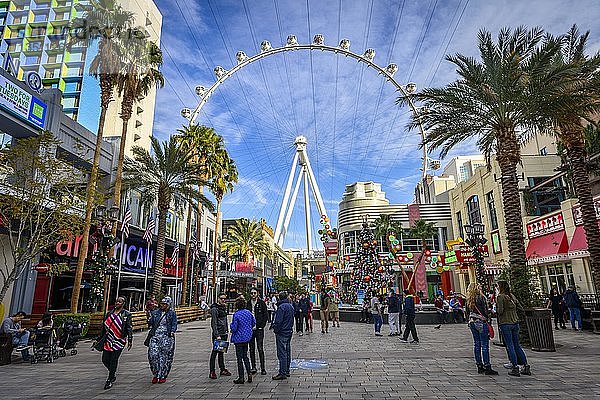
x,y
80,318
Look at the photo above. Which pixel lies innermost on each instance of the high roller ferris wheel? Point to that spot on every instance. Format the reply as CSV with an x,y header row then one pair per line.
x,y
301,159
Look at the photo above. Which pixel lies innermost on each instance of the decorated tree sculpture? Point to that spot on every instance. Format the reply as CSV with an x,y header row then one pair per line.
x,y
369,273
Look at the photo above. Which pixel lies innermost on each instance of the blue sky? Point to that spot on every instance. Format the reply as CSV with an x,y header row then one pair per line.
x,y
347,111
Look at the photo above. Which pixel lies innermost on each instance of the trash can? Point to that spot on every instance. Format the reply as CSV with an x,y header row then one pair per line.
x,y
539,324
6,349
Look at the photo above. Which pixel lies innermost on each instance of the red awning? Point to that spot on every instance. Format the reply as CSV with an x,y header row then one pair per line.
x,y
547,245
579,241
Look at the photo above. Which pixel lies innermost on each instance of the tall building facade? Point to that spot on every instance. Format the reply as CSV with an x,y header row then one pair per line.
x,y
35,33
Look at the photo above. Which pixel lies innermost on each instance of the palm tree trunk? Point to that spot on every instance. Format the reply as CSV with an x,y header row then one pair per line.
x,y
196,276
215,244
160,252
577,162
89,208
186,256
119,176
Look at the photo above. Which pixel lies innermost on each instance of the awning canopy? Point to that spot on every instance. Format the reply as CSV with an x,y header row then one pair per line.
x,y
547,248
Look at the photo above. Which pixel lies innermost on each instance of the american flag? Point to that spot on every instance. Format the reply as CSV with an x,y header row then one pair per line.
x,y
149,229
126,221
175,255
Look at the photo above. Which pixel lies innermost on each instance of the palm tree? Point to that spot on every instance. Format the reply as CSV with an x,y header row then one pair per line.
x,y
225,175
166,176
105,22
423,230
246,240
491,101
385,226
138,76
572,96
206,145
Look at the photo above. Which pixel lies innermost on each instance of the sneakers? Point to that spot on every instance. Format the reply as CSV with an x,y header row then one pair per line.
x,y
279,377
508,365
514,371
404,340
21,348
490,371
239,381
249,378
212,375
263,372
414,341
378,334
225,372
162,380
253,371
526,370
155,379
480,369
301,334
108,384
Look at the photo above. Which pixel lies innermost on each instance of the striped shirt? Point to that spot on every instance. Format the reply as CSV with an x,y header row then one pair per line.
x,y
115,340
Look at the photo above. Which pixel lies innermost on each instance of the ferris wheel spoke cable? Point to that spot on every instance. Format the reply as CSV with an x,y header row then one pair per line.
x,y
422,39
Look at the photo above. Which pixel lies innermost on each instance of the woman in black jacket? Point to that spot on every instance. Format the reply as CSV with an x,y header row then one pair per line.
x,y
557,304
259,309
220,329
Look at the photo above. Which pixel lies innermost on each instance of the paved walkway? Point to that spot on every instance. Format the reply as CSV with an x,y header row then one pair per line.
x,y
360,366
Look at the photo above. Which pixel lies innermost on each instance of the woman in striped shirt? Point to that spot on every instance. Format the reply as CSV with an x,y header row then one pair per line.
x,y
119,332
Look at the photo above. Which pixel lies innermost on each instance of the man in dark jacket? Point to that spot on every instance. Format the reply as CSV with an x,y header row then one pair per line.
x,y
394,313
573,302
409,311
220,329
259,309
282,326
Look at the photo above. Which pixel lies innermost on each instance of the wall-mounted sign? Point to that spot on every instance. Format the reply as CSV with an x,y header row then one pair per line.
x,y
496,244
465,254
19,102
543,226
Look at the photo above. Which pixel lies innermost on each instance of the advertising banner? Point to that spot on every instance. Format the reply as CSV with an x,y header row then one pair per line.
x,y
22,104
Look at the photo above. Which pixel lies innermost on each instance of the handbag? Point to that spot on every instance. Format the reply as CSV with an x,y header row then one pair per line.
x,y
491,331
152,331
98,343
220,346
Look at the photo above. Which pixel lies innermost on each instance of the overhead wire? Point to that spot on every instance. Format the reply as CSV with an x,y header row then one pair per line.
x,y
426,25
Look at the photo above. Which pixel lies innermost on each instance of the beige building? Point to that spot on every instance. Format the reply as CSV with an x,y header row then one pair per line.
x,y
479,199
140,126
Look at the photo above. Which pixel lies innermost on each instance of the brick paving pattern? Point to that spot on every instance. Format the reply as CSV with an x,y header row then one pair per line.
x,y
360,366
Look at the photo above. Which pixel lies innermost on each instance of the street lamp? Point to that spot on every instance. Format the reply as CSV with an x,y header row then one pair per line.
x,y
476,240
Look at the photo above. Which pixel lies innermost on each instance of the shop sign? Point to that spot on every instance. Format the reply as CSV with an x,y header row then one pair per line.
x,y
242,266
578,216
465,255
21,103
548,224
450,257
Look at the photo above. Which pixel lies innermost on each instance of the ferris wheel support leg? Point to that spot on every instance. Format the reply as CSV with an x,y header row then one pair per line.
x,y
307,214
286,197
288,214
315,188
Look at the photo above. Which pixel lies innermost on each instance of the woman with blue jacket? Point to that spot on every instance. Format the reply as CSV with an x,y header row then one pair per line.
x,y
242,325
162,344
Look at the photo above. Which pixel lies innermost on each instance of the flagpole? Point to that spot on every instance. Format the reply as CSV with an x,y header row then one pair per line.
x,y
120,262
177,275
147,262
192,275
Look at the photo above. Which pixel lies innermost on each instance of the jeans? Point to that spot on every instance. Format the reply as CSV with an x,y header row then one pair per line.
x,y
510,332
299,322
21,339
256,343
458,316
575,315
308,322
110,359
394,323
481,342
214,354
241,354
378,321
284,352
559,317
410,328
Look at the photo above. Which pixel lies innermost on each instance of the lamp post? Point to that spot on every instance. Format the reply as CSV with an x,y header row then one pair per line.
x,y
475,240
103,264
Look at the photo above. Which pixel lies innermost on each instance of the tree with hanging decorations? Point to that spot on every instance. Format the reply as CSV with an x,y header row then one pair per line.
x,y
369,273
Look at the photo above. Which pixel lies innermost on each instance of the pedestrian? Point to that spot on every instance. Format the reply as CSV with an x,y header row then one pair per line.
x,y
377,311
439,307
409,311
151,305
282,327
458,314
118,331
218,324
324,311
479,318
393,313
20,336
298,315
260,312
365,312
304,305
574,304
242,327
309,315
270,308
557,304
508,322
334,310
162,343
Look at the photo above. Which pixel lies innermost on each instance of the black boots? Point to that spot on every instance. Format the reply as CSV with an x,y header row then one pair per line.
x,y
489,371
514,371
480,369
526,370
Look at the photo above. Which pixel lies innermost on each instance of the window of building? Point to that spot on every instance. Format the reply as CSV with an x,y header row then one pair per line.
x,y
31,60
13,47
489,199
40,18
547,198
55,58
463,172
559,276
459,223
34,46
38,32
72,102
76,56
52,73
72,87
473,211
